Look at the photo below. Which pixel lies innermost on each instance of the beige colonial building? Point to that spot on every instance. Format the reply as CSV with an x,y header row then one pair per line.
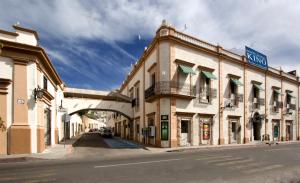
x,y
182,92
30,93
187,92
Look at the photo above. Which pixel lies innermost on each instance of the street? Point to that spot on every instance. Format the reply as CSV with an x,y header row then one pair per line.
x,y
276,163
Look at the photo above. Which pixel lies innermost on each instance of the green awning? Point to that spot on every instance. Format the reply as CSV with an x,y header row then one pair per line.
x,y
277,91
209,75
237,82
186,69
290,94
258,87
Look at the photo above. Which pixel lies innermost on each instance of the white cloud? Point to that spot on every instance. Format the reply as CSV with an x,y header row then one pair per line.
x,y
269,26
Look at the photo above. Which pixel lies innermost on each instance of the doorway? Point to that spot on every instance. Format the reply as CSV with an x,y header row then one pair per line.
x,y
184,132
233,131
289,131
276,130
256,130
205,129
47,126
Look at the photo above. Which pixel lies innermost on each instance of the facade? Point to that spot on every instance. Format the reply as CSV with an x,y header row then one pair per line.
x,y
30,93
187,92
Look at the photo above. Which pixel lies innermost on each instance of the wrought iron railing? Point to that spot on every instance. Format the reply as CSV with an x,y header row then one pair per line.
x,y
170,87
206,94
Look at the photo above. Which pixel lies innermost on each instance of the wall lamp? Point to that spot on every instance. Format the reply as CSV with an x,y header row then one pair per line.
x,y
38,93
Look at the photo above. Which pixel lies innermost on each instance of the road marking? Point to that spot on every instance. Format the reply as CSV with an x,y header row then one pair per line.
x,y
41,180
253,164
137,163
282,149
225,159
266,168
234,162
212,157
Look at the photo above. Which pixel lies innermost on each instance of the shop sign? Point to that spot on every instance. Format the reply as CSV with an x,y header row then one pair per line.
x,y
20,101
256,58
164,117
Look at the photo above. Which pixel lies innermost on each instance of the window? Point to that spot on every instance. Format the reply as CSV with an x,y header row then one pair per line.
x,y
257,101
45,83
234,83
152,79
137,94
206,94
276,104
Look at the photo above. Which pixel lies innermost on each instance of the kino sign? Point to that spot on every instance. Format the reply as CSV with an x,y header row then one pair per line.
x,y
256,58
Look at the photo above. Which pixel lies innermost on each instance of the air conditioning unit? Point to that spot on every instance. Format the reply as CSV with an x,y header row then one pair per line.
x,y
255,100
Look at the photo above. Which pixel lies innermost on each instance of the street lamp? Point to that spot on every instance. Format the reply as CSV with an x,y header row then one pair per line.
x,y
38,93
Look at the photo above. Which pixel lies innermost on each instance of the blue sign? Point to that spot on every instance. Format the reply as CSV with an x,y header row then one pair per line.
x,y
256,58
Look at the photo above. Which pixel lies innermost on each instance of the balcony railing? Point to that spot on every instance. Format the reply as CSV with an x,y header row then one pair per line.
x,y
257,102
206,94
170,88
277,105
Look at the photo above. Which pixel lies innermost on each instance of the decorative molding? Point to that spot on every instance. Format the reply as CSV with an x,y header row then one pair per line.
x,y
178,61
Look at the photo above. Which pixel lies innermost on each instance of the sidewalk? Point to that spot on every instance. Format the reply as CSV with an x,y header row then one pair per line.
x,y
57,151
226,146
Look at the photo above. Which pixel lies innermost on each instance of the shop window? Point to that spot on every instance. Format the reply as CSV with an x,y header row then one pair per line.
x,y
206,131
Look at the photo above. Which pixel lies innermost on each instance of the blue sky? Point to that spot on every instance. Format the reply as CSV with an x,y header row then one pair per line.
x,y
93,43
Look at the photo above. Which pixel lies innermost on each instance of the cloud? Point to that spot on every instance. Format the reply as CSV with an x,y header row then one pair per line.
x,y
268,26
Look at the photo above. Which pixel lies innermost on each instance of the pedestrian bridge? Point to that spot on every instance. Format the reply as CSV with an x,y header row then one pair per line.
x,y
77,100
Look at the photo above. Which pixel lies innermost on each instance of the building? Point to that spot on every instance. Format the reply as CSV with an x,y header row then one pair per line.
x,y
30,94
187,92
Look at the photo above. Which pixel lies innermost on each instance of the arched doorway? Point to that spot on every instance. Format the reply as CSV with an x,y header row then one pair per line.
x,y
256,126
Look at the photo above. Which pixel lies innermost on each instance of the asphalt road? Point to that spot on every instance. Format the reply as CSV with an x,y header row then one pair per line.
x,y
278,163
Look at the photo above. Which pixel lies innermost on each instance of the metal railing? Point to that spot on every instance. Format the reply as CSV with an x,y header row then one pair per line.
x,y
170,87
206,94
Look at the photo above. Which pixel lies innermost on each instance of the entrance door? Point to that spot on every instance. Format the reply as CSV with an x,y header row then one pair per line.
x,y
184,133
233,132
47,125
289,129
256,130
276,130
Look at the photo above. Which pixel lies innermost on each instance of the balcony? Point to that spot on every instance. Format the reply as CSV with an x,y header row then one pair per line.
x,y
170,88
207,94
276,106
257,102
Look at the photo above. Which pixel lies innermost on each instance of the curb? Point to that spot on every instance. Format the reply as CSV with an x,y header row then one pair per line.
x,y
226,146
19,159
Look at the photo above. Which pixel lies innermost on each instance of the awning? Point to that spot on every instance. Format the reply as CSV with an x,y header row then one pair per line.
x,y
209,75
236,82
258,87
277,91
186,69
290,95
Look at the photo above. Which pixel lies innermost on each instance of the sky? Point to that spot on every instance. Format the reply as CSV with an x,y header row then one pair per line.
x,y
93,43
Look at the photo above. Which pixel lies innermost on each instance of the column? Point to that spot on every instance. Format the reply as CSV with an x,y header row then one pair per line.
x,y
3,114
20,132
